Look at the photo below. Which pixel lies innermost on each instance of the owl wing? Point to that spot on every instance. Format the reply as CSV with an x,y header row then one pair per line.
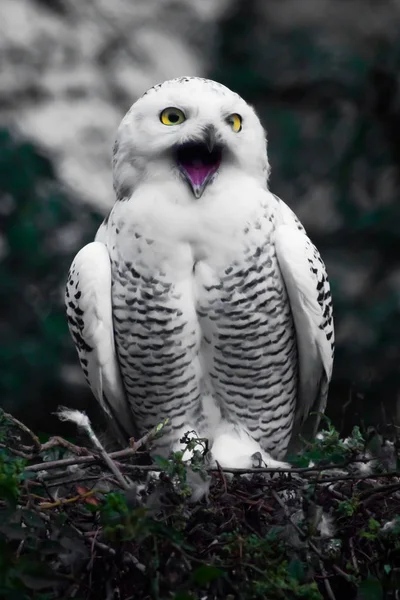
x,y
310,299
89,313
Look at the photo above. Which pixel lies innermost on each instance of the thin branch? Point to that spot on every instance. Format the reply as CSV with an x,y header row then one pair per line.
x,y
313,547
83,422
369,496
223,478
128,452
59,441
329,591
17,452
24,428
92,459
64,501
353,555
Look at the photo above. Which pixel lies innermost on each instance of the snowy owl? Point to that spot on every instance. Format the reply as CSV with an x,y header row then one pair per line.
x,y
201,300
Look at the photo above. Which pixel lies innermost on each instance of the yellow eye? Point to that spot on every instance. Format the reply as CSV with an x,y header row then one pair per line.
x,y
172,116
235,121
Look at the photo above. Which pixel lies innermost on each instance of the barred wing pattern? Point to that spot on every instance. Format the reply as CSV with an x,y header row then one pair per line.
x,y
309,294
89,314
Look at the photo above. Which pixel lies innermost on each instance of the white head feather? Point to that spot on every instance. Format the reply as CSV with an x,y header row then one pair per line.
x,y
145,148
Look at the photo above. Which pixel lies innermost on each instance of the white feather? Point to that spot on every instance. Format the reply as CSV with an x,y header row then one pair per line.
x,y
75,416
234,447
297,257
92,272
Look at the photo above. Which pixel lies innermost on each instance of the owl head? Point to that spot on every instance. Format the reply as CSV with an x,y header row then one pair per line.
x,y
190,130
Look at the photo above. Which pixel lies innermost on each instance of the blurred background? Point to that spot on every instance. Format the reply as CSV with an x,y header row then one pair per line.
x,y
324,77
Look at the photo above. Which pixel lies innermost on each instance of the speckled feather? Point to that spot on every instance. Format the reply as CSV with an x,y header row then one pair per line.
x,y
213,312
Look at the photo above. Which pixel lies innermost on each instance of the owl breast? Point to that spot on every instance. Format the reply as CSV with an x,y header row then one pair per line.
x,y
248,345
207,342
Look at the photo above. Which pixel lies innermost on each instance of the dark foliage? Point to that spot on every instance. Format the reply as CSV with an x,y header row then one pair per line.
x,y
40,235
326,87
325,531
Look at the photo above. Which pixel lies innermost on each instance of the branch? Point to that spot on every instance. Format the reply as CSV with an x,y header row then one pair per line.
x,y
28,452
313,547
92,459
82,420
24,428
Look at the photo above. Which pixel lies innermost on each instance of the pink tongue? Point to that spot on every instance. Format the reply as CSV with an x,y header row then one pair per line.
x,y
198,174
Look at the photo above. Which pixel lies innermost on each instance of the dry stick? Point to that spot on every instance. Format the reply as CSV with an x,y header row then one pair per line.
x,y
327,584
82,421
17,452
373,478
223,478
24,428
100,545
382,489
353,555
64,501
38,446
95,542
56,440
82,479
128,452
91,459
313,547
109,462
52,443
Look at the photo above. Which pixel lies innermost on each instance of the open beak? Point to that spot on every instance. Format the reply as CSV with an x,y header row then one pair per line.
x,y
198,161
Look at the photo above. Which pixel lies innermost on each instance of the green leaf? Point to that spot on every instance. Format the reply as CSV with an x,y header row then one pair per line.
x,y
38,583
28,475
387,569
48,547
161,462
14,532
296,569
32,519
206,574
74,545
370,589
161,425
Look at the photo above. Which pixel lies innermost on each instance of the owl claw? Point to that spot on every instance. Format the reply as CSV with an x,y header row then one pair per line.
x,y
257,461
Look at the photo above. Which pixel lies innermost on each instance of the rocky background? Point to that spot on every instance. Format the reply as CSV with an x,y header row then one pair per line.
x,y
323,75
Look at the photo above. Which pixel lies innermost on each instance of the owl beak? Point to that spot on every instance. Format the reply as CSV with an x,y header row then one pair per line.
x,y
198,161
210,137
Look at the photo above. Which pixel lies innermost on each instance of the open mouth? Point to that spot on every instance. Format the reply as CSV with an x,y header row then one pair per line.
x,y
198,164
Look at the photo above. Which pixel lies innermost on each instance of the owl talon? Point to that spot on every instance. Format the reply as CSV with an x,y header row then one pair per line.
x,y
257,461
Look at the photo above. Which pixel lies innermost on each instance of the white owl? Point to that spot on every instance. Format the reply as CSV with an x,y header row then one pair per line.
x,y
201,299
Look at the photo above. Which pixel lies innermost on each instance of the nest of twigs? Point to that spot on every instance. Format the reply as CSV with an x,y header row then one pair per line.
x,y
79,522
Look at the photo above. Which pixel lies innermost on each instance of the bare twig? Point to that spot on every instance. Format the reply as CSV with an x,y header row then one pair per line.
x,y
223,478
16,452
25,429
64,501
129,452
329,591
353,555
82,479
92,459
82,420
29,452
313,547
59,441
381,490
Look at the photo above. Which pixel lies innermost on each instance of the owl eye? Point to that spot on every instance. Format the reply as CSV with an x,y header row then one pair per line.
x,y
235,121
172,116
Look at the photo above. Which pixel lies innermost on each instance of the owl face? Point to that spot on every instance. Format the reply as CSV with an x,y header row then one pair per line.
x,y
191,129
